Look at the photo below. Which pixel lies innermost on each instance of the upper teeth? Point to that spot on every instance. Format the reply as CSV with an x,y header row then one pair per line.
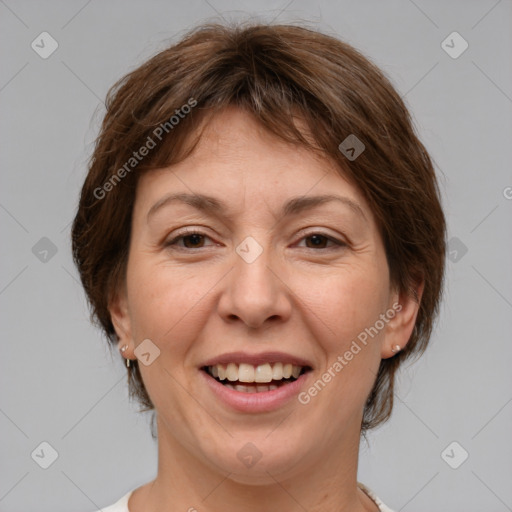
x,y
248,373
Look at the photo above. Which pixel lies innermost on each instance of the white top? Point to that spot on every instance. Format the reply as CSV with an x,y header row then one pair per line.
x,y
122,504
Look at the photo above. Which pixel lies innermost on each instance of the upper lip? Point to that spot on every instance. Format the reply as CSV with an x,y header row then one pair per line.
x,y
257,359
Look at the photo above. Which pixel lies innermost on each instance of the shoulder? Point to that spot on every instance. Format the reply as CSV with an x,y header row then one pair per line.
x,y
382,506
121,505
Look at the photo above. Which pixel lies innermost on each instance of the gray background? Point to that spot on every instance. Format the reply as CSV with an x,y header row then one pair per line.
x,y
59,382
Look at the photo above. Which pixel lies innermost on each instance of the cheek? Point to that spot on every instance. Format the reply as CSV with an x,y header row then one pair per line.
x,y
169,304
346,302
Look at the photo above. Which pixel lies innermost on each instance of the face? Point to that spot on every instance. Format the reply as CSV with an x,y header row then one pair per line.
x,y
265,282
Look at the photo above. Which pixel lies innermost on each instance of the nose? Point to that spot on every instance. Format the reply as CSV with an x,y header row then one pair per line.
x,y
255,293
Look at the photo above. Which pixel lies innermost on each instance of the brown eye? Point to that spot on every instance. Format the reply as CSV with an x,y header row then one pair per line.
x,y
195,240
189,239
320,241
317,241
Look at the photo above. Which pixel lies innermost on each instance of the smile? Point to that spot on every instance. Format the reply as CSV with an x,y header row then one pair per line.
x,y
248,378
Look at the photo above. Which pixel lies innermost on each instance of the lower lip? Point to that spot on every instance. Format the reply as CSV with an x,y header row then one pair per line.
x,y
264,401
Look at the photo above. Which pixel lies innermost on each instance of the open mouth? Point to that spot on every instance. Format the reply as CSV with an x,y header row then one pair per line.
x,y
248,378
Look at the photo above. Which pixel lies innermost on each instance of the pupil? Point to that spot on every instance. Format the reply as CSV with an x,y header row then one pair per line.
x,y
317,240
196,239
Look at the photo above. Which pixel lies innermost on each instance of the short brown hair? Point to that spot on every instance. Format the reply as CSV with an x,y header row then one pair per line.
x,y
276,73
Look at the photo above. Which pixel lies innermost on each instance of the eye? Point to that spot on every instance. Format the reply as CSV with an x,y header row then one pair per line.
x,y
191,240
319,241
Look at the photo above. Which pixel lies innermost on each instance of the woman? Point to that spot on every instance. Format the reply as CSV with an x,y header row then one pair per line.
x,y
260,234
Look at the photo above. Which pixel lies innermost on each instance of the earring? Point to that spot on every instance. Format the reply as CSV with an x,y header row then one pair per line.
x,y
396,349
123,350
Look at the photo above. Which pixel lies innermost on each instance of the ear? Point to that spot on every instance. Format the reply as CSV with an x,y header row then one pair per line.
x,y
399,328
120,316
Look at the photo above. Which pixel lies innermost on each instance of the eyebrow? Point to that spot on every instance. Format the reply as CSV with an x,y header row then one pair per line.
x,y
216,207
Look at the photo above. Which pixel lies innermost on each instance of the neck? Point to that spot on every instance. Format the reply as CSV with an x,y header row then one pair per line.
x,y
326,482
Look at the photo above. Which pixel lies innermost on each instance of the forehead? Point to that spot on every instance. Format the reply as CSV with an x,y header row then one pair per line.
x,y
233,133
237,160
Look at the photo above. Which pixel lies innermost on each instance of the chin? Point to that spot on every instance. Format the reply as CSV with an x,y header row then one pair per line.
x,y
259,462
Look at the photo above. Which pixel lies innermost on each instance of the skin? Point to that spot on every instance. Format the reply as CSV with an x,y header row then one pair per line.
x,y
199,299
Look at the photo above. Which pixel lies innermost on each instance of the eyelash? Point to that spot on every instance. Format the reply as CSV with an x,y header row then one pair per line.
x,y
186,233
